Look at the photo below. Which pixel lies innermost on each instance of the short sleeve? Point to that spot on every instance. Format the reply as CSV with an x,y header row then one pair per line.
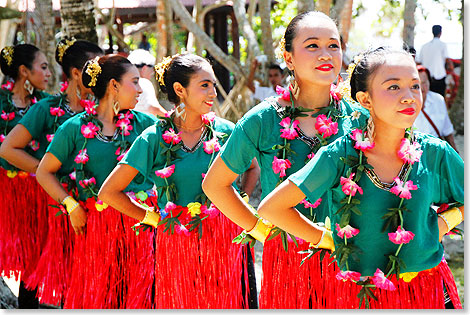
x,y
141,154
321,173
451,175
63,143
36,118
240,149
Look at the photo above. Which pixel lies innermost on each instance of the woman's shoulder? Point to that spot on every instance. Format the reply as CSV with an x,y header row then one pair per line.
x,y
223,125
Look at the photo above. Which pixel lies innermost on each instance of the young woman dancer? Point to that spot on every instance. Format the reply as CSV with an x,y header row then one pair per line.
x,y
95,141
196,264
380,183
22,233
40,124
283,134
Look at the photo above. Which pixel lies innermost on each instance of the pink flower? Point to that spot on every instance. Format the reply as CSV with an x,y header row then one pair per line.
x,y
166,172
410,153
169,113
34,145
34,100
311,205
64,86
348,231
401,236
89,106
127,115
349,187
348,275
441,208
8,86
212,211
50,137
7,116
2,137
87,182
81,157
335,92
361,142
403,191
311,155
208,118
280,166
283,93
169,207
125,126
181,229
203,175
170,136
325,126
211,146
381,282
120,155
89,130
289,132
73,175
56,111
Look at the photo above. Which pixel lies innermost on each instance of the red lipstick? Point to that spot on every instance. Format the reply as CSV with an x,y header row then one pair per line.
x,y
408,111
325,67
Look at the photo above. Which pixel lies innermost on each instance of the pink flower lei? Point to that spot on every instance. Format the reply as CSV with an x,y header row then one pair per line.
x,y
410,153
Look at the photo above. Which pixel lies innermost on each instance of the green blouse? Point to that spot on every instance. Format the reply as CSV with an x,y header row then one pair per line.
x,y
439,176
258,131
145,156
101,150
7,106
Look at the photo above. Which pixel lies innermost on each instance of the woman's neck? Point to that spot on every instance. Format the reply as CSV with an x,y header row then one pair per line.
x,y
105,111
387,139
20,95
313,96
74,100
192,122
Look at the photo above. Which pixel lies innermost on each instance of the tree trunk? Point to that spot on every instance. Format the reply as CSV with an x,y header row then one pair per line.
x,y
267,38
345,20
335,12
44,24
78,19
225,60
324,6
305,5
162,43
7,30
409,22
245,26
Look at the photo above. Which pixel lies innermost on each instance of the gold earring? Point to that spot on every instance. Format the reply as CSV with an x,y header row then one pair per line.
x,y
295,87
180,111
370,129
116,107
28,87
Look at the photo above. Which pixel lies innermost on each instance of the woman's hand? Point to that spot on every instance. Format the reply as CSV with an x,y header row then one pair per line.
x,y
78,219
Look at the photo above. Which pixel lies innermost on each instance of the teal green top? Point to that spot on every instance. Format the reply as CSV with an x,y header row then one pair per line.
x,y
68,141
439,176
40,122
258,131
7,106
145,156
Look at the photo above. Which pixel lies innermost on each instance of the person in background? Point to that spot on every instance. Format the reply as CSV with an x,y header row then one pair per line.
x,y
434,56
148,102
433,118
275,77
144,44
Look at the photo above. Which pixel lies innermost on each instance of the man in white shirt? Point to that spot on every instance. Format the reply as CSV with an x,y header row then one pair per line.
x,y
275,76
433,118
434,56
148,103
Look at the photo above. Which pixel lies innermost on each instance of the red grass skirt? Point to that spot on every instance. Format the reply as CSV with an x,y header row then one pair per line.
x,y
23,228
314,284
53,271
193,273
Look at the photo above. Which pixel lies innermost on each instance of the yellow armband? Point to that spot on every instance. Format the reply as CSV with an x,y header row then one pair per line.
x,y
70,204
151,218
260,231
451,217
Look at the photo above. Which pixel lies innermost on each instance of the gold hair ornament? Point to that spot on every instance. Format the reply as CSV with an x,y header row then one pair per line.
x,y
282,48
93,69
63,46
161,67
7,54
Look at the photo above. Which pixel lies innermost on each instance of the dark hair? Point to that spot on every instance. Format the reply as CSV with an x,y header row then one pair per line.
x,y
275,66
180,69
370,61
422,68
76,54
436,30
291,30
23,54
409,48
112,67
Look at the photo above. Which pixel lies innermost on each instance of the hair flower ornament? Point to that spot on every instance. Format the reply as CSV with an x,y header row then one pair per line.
x,y
7,54
63,46
93,70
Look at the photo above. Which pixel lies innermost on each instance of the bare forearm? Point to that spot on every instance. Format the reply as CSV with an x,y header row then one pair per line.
x,y
123,203
19,158
51,185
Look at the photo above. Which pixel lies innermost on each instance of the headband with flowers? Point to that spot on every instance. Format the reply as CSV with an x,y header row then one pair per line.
x,y
93,69
63,46
7,54
161,67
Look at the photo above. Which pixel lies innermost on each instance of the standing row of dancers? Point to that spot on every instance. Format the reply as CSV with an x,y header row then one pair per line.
x,y
140,212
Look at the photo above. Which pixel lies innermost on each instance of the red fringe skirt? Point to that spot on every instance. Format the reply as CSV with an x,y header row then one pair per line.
x,y
23,231
314,284
193,273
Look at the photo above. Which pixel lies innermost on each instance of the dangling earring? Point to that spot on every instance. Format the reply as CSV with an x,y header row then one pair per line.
x,y
79,95
180,111
370,129
28,87
295,88
116,107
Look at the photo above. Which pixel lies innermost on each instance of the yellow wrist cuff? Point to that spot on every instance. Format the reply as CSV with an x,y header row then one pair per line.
x,y
452,218
260,231
151,218
326,240
70,204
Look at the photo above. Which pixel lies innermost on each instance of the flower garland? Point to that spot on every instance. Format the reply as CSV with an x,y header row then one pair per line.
x,y
175,217
410,153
